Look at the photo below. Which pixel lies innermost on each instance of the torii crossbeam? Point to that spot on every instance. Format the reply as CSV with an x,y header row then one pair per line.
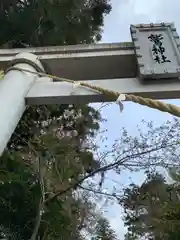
x,y
149,66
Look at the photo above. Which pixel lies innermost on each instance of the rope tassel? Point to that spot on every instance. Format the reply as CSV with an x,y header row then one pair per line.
x,y
122,97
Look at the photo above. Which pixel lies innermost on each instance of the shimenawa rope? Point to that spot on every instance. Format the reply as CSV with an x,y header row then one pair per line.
x,y
162,106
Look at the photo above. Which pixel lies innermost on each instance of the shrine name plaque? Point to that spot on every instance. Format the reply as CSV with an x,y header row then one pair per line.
x,y
157,49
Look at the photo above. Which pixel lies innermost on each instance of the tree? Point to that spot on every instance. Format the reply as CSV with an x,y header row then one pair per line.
x,y
52,22
55,156
103,231
147,209
171,216
65,167
50,141
20,191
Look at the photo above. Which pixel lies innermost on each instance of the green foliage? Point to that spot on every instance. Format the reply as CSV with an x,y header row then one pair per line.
x,y
51,22
152,209
63,161
174,173
103,231
50,149
20,193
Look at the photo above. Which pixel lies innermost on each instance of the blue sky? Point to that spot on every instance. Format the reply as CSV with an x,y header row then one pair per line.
x,y
116,29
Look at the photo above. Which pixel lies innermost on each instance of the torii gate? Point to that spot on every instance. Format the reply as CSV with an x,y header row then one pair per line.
x,y
149,66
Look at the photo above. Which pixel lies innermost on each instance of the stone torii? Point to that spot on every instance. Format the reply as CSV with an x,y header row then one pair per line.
x,y
149,66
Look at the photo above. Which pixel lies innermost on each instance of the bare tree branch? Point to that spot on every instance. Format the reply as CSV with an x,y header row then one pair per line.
x,y
99,192
106,168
